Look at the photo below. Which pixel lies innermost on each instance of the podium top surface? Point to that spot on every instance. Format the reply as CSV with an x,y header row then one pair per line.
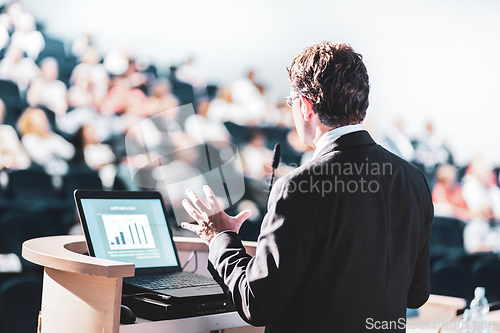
x,y
67,253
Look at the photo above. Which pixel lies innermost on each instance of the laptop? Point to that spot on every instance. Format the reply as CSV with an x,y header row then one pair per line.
x,y
131,226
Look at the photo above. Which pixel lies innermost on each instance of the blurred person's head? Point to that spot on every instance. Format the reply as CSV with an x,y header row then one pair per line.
x,y
25,23
446,175
160,89
87,135
251,75
15,10
257,139
202,108
34,121
481,171
225,94
429,127
330,83
91,56
49,69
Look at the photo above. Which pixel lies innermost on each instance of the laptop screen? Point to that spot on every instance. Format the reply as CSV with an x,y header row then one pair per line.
x,y
129,230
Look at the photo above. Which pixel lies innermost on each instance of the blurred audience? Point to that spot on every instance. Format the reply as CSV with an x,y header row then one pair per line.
x,y
482,195
245,93
256,157
398,143
89,80
43,146
447,195
162,101
12,153
431,149
223,108
47,90
480,190
26,37
203,129
121,116
90,149
17,68
190,73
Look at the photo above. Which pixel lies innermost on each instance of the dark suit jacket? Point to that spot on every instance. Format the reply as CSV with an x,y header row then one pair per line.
x,y
343,248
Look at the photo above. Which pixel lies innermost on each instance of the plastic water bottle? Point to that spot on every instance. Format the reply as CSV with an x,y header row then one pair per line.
x,y
466,324
479,311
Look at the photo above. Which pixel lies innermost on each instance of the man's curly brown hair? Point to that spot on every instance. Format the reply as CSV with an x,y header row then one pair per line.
x,y
334,78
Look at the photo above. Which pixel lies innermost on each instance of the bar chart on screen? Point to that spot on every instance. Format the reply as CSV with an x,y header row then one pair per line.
x,y
128,232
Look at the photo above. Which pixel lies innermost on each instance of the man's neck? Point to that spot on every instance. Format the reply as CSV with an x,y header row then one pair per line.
x,y
320,130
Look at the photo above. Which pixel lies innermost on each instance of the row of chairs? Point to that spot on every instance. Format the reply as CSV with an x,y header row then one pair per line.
x,y
41,191
455,272
20,302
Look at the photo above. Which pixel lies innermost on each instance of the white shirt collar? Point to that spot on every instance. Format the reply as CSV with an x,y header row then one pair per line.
x,y
335,133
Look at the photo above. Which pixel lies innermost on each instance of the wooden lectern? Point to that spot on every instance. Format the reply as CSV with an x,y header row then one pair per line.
x,y
80,294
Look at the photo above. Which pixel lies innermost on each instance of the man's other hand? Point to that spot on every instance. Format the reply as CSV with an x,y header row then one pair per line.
x,y
210,220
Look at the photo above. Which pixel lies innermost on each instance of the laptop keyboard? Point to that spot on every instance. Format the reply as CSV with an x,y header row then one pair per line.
x,y
176,281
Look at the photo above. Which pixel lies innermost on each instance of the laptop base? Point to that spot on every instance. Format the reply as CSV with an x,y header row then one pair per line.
x,y
153,309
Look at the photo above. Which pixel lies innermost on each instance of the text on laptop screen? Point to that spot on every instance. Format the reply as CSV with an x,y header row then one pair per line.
x,y
130,230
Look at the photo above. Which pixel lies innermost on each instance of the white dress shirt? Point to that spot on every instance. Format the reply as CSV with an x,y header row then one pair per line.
x,y
335,133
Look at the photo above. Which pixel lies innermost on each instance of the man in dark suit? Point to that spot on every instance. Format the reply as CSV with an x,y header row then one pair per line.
x,y
345,244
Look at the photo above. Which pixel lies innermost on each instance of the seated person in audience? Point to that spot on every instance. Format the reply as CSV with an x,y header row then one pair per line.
x,y
10,15
247,96
256,157
188,72
202,129
92,75
80,94
18,69
12,154
122,96
95,154
91,150
26,38
482,196
47,90
162,101
397,142
431,149
479,188
482,233
223,108
447,195
45,148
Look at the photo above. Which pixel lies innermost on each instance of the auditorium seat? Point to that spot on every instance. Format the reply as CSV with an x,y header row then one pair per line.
x,y
486,273
451,278
82,178
53,48
9,94
20,302
32,189
88,180
18,226
239,134
447,238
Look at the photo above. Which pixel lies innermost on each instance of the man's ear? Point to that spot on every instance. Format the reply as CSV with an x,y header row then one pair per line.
x,y
306,108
